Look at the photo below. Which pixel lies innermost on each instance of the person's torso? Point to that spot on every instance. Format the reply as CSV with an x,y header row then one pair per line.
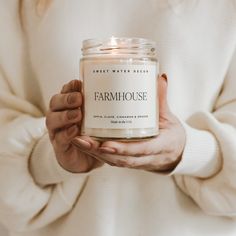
x,y
194,49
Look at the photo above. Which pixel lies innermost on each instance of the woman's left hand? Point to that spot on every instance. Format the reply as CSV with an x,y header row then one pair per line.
x,y
161,153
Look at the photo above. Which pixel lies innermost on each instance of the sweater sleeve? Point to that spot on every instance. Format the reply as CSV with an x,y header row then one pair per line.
x,y
34,189
207,171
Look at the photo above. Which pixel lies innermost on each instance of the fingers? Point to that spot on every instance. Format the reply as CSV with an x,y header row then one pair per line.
x,y
70,158
58,120
135,148
149,163
62,139
89,146
86,143
69,98
119,157
124,154
65,108
72,86
145,163
162,92
65,101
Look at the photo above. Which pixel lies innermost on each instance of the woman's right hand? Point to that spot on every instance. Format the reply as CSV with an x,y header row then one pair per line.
x,y
63,123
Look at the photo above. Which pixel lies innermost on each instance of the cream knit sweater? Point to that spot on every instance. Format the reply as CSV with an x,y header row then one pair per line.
x,y
39,53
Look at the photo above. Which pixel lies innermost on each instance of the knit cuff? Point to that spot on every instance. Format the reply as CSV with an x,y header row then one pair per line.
x,y
201,155
44,166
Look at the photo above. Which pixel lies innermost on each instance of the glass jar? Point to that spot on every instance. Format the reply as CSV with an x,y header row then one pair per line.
x,y
119,88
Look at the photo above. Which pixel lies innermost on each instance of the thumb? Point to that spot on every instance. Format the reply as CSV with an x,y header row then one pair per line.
x,y
162,92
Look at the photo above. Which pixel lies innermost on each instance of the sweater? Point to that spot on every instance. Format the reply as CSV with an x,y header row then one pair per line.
x,y
40,48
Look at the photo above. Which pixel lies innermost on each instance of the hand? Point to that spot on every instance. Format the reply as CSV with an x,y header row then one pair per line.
x,y
63,124
161,153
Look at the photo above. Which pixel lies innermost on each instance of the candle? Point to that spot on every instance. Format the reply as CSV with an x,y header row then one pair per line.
x,y
119,88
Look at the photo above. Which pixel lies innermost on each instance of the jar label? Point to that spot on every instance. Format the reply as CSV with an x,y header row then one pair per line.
x,y
120,96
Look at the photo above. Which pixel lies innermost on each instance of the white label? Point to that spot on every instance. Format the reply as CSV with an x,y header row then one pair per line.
x,y
120,96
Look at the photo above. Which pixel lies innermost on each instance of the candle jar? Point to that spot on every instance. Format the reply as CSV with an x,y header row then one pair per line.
x,y
120,99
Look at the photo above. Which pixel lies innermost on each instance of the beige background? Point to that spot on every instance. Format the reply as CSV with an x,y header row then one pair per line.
x,y
3,232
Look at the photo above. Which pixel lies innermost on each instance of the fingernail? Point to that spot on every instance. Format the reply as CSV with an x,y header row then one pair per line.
x,y
71,130
165,77
107,150
72,98
72,114
75,85
83,143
